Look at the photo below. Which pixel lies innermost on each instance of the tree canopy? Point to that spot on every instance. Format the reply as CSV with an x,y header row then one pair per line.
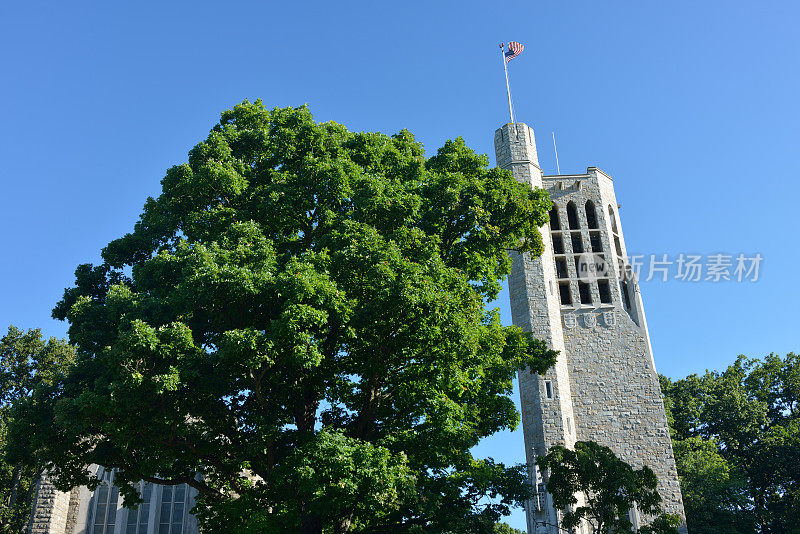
x,y
594,487
27,362
736,436
296,328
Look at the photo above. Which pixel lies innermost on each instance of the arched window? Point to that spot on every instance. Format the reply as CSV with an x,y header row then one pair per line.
x,y
613,219
572,216
555,223
591,215
617,244
103,506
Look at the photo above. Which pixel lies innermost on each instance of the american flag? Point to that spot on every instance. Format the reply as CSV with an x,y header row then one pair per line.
x,y
514,49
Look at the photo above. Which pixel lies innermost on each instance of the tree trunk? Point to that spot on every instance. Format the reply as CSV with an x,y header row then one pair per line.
x,y
311,524
12,498
344,525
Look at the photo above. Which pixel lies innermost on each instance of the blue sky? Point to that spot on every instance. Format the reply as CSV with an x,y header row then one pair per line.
x,y
691,106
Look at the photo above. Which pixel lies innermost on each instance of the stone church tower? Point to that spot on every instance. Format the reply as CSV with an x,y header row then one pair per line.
x,y
582,298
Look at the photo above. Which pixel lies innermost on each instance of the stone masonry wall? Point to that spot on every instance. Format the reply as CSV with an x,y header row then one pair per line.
x,y
616,396
546,419
50,509
604,386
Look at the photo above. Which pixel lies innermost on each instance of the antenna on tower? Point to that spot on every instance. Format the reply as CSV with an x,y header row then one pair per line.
x,y
555,149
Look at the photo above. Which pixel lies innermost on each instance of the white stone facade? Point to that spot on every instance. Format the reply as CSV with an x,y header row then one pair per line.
x,y
604,386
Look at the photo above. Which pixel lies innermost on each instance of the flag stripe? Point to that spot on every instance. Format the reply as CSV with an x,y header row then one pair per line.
x,y
514,49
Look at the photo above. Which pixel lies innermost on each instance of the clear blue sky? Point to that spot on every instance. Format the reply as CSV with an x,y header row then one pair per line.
x,y
692,107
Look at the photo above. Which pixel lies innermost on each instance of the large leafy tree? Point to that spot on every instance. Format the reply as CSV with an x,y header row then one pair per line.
x,y
736,436
296,328
596,488
27,362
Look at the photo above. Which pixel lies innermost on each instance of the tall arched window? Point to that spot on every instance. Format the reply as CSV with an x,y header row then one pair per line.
x,y
555,222
103,506
617,244
555,231
613,219
572,216
591,215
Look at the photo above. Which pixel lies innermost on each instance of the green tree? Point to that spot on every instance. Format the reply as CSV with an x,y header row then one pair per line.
x,y
26,362
503,528
296,328
595,487
736,436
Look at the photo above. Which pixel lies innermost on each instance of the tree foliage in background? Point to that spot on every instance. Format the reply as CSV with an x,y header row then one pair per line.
x,y
296,328
594,487
736,436
27,361
503,528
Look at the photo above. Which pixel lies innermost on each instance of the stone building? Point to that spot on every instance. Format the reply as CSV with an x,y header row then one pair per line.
x,y
577,297
164,509
582,298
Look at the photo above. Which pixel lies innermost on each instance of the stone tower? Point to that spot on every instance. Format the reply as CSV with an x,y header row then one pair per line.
x,y
582,299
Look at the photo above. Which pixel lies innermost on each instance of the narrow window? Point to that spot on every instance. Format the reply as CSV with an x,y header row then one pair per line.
x,y
617,246
569,425
591,215
563,291
548,389
558,244
572,216
561,268
138,517
585,293
623,287
555,223
577,243
613,219
594,239
605,291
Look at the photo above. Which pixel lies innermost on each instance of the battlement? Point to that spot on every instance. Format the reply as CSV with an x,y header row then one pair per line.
x,y
515,144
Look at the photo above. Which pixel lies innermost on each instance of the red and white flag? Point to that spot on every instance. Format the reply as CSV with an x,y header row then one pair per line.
x,y
514,49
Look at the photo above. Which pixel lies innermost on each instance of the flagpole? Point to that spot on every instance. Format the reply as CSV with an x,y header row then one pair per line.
x,y
508,87
558,169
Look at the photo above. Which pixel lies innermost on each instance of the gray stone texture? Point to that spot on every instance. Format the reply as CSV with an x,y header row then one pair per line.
x,y
604,386
51,509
